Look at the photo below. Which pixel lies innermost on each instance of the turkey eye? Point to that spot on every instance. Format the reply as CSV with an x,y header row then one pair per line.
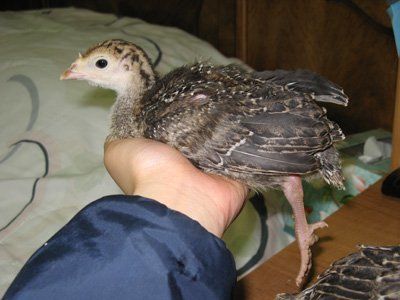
x,y
101,63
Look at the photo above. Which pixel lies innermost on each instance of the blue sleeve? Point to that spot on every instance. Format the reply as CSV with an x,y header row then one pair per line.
x,y
128,247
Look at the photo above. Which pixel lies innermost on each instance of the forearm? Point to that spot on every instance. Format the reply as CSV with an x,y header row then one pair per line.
x,y
126,247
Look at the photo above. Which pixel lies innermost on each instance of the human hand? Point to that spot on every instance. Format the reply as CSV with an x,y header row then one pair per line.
x,y
155,170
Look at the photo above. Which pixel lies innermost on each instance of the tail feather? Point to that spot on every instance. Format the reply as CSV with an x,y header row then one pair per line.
x,y
331,167
336,132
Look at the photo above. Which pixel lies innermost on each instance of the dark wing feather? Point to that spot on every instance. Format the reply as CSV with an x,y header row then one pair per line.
x,y
371,273
247,159
277,140
304,81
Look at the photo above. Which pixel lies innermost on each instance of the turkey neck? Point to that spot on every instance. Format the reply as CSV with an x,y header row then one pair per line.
x,y
126,118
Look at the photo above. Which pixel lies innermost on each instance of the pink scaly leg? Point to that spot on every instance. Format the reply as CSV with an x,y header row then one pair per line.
x,y
293,191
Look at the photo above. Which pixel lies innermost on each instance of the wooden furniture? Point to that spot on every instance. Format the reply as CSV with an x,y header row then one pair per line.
x,y
396,125
370,218
348,41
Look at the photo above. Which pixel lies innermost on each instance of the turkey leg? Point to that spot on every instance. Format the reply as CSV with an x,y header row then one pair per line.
x,y
293,190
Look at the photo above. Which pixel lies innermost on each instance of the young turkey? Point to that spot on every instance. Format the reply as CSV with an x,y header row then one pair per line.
x,y
263,129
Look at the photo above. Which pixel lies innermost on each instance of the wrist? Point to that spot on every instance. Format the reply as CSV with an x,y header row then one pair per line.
x,y
186,200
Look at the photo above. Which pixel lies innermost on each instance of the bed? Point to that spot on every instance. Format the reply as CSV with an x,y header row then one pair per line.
x,y
51,142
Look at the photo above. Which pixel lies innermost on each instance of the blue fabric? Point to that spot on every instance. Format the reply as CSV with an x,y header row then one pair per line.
x,y
128,247
394,13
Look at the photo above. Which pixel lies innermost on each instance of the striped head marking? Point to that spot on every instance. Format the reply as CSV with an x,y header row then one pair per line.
x,y
114,64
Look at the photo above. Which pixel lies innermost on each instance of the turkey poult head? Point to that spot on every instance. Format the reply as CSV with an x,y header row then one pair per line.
x,y
114,64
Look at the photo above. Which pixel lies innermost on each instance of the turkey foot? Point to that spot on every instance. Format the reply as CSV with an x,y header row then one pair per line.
x,y
293,191
306,238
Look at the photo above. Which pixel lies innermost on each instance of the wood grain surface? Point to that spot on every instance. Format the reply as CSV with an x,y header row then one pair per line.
x,y
396,125
349,42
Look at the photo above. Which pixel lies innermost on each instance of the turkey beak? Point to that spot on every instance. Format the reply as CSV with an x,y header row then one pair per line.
x,y
70,73
66,75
